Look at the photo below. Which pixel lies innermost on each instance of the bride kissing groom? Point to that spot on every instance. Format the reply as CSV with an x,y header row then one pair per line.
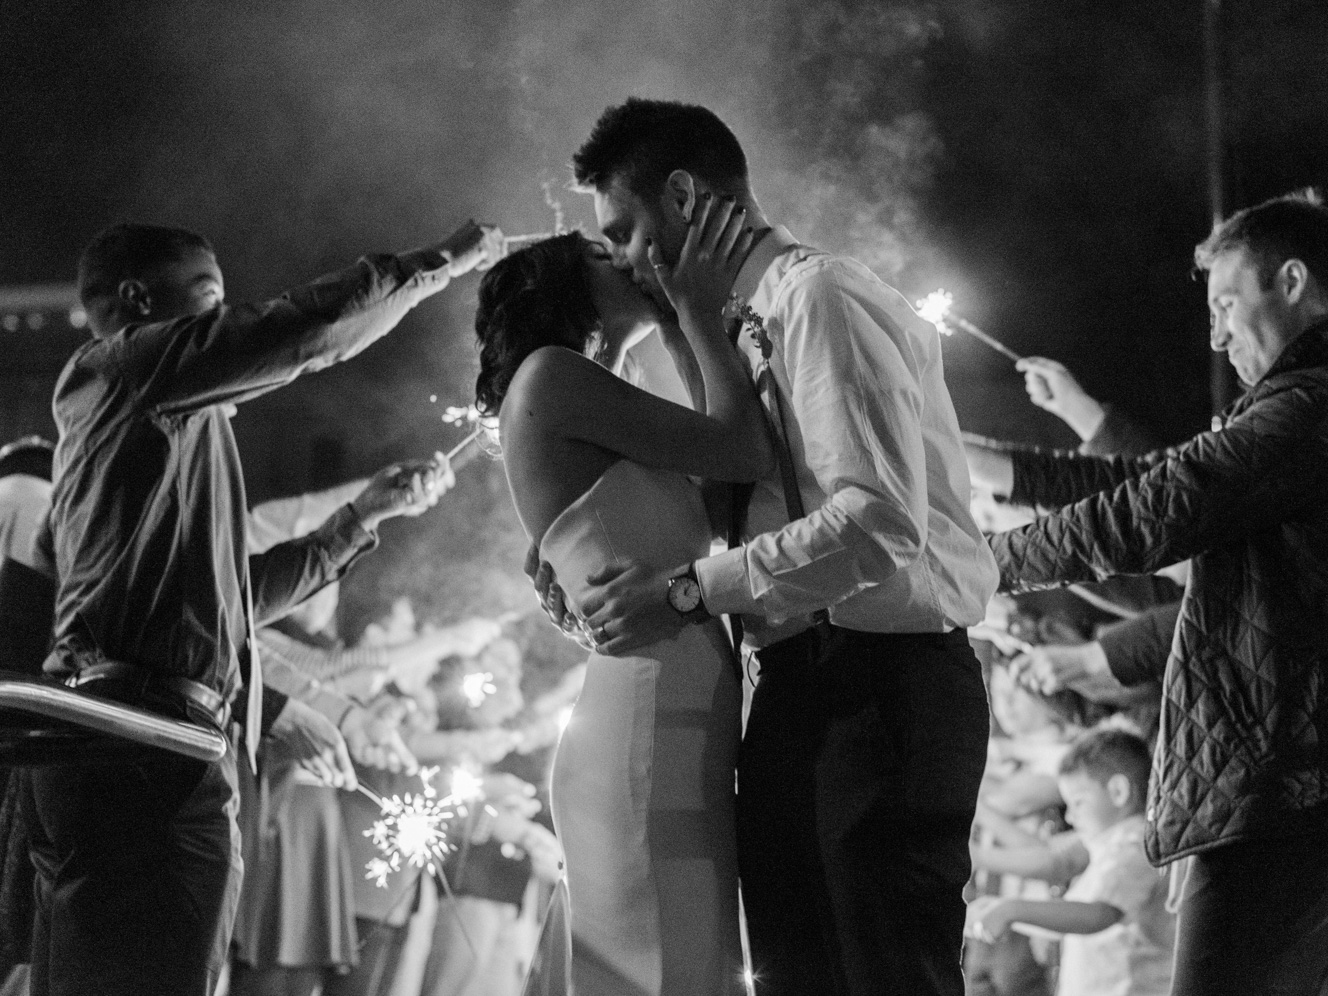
x,y
853,570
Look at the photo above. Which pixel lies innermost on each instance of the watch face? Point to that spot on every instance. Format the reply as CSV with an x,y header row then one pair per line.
x,y
684,594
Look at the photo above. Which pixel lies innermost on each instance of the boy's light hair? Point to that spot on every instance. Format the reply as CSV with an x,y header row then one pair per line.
x,y
1100,754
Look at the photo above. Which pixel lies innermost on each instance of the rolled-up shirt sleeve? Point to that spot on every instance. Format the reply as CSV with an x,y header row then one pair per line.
x,y
285,575
854,385
233,353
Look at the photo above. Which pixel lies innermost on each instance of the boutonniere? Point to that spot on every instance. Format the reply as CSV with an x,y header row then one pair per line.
x,y
752,324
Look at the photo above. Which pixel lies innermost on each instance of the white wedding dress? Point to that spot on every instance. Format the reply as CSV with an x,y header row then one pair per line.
x,y
643,780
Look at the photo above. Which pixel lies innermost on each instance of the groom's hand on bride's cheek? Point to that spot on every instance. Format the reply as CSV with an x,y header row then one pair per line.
x,y
628,607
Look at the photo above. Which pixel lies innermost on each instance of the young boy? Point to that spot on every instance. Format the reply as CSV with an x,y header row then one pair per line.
x,y
1118,935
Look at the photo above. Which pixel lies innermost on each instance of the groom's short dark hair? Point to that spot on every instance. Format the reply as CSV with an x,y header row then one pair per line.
x,y
643,141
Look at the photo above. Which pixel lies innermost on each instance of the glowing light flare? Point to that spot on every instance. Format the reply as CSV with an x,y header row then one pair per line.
x,y
467,786
467,415
477,687
461,414
936,308
412,830
564,718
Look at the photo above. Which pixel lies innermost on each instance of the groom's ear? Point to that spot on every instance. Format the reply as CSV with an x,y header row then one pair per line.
x,y
680,195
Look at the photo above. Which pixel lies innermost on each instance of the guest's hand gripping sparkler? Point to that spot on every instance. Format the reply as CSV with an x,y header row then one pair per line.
x,y
409,488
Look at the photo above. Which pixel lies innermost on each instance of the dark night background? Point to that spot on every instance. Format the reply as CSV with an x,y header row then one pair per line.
x,y
1046,162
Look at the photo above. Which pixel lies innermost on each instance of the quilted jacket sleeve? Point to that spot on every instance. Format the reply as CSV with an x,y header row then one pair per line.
x,y
1219,488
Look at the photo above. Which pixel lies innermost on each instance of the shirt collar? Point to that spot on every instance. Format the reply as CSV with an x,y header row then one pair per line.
x,y
1309,349
774,243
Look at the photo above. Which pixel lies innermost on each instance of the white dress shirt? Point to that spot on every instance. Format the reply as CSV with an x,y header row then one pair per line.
x,y
887,543
24,502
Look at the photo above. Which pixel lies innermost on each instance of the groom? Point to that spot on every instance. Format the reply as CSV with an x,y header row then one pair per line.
x,y
867,735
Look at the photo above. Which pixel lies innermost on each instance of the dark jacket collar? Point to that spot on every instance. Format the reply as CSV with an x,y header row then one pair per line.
x,y
1309,349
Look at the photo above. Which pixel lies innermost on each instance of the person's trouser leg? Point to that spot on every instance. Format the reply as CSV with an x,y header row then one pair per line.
x,y
857,784
138,874
1254,919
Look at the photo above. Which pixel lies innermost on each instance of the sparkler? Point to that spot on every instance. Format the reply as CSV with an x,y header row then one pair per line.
x,y
511,242
466,415
936,308
412,829
477,687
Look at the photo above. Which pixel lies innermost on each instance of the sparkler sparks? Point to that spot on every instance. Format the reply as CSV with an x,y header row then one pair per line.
x,y
936,308
467,787
477,687
462,415
412,830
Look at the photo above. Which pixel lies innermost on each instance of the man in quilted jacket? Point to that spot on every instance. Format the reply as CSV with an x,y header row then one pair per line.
x,y
1240,776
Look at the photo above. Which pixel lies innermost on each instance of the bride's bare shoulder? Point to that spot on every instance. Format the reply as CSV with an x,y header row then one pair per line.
x,y
553,371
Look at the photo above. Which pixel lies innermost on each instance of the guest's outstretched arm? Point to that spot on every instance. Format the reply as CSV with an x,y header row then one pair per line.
x,y
233,353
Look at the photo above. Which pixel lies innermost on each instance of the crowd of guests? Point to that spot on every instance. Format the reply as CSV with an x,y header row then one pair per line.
x,y
446,702
1136,727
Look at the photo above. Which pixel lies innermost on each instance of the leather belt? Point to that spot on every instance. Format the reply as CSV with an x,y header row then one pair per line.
x,y
137,685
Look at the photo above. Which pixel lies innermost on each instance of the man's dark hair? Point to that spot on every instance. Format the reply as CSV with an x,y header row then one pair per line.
x,y
131,251
643,141
1293,226
31,455
1100,754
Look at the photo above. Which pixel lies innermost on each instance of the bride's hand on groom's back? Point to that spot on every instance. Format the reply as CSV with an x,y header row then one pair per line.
x,y
551,598
717,242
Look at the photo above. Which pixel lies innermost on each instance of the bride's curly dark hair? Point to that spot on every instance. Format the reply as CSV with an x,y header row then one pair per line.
x,y
538,296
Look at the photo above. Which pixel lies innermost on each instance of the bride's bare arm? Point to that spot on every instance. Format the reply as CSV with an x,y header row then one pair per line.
x,y
698,287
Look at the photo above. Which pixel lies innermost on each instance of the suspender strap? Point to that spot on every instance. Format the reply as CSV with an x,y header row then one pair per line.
x,y
765,378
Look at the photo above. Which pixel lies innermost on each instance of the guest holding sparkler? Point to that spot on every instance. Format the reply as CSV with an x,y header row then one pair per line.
x,y
496,848
296,921
138,866
1240,776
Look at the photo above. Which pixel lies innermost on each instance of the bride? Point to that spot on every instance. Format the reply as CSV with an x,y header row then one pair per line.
x,y
643,781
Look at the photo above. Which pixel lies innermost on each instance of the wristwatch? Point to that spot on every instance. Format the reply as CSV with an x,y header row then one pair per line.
x,y
685,596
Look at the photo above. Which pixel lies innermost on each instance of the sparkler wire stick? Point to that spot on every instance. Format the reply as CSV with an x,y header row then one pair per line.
x,y
436,871
977,333
473,437
511,242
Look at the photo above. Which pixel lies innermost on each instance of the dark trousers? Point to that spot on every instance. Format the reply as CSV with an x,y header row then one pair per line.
x,y
857,783
138,875
1254,919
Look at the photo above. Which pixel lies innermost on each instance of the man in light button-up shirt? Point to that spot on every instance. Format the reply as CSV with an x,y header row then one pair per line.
x,y
867,735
